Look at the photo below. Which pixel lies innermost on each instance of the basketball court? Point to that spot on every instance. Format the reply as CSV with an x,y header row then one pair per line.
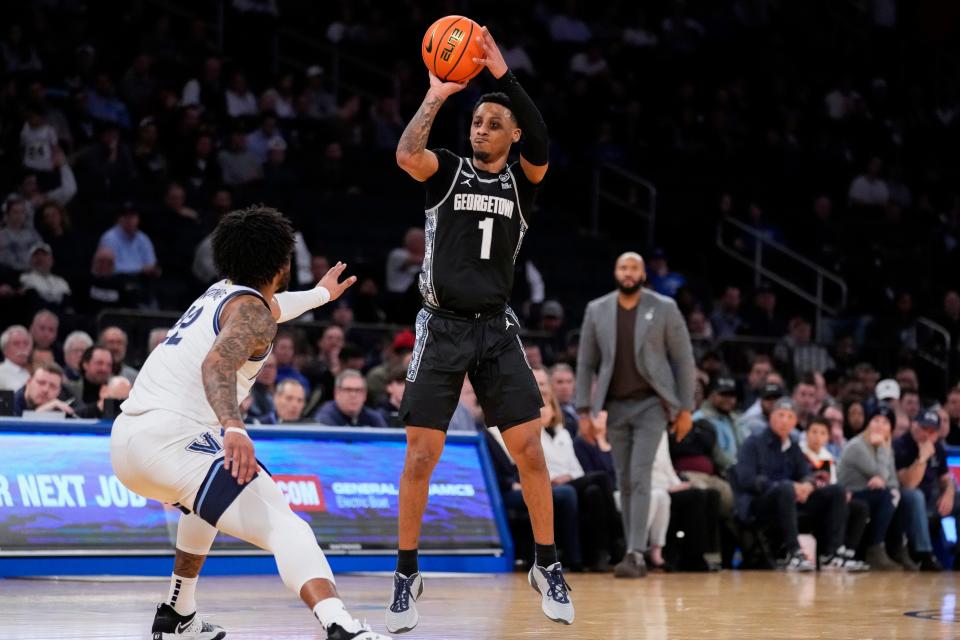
x,y
762,605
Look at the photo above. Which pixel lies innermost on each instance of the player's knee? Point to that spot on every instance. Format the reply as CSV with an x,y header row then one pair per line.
x,y
420,461
528,455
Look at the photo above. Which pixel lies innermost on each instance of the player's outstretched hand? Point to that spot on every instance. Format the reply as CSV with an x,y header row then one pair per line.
x,y
492,58
444,89
331,280
239,458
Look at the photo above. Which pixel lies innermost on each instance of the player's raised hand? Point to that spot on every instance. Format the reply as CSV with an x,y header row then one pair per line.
x,y
444,89
492,58
331,281
239,458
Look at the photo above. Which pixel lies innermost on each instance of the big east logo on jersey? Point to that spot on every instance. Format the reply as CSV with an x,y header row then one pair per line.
x,y
303,493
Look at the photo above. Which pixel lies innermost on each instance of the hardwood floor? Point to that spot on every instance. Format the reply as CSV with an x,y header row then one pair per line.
x,y
728,605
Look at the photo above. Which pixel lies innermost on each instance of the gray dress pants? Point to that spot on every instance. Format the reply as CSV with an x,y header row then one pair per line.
x,y
634,428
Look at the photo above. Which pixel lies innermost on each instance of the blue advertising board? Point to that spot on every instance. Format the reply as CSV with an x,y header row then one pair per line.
x,y
60,499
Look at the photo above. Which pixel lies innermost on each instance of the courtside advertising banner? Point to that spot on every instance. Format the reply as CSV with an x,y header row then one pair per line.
x,y
58,495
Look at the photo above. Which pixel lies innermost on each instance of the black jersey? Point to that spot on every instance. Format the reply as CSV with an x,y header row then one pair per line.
x,y
475,225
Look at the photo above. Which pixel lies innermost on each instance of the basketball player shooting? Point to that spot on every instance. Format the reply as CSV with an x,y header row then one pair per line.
x,y
477,212
166,444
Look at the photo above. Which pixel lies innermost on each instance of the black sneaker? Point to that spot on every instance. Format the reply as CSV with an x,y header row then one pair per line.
x,y
402,613
796,561
170,625
363,632
929,562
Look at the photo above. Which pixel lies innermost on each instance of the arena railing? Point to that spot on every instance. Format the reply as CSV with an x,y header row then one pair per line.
x,y
615,185
775,262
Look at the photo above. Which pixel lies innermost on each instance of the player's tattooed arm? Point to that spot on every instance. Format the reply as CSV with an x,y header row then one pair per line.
x,y
412,153
248,328
414,138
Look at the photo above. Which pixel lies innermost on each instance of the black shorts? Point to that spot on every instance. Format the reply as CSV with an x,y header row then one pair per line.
x,y
489,351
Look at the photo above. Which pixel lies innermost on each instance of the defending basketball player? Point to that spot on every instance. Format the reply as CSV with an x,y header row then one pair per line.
x,y
477,213
166,445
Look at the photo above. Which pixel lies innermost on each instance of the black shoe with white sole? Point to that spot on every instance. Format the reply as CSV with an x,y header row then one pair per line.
x,y
170,625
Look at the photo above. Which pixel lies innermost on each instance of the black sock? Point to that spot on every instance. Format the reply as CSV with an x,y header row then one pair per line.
x,y
407,562
546,554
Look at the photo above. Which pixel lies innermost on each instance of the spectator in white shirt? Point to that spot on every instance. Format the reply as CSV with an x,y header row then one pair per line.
x,y
664,481
206,90
404,263
814,446
16,345
37,141
601,530
240,100
49,287
562,463
842,101
869,189
280,100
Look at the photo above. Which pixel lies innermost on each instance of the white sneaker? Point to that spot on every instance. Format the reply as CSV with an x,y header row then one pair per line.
x,y
553,589
843,560
402,613
170,625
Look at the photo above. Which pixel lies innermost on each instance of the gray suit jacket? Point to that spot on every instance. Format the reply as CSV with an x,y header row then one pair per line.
x,y
664,355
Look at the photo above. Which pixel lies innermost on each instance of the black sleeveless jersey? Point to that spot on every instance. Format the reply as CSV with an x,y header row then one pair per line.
x,y
475,225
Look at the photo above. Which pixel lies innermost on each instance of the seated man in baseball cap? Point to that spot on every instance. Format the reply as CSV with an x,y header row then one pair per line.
x,y
773,484
921,463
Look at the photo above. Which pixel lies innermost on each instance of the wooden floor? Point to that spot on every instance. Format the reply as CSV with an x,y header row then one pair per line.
x,y
728,605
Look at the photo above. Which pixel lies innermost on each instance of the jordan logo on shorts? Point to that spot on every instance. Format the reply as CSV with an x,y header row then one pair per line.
x,y
509,324
205,444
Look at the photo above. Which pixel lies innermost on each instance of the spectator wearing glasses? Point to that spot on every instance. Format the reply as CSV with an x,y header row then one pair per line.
x,y
347,407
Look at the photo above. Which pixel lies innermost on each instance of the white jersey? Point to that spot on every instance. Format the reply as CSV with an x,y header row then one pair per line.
x,y
171,378
37,145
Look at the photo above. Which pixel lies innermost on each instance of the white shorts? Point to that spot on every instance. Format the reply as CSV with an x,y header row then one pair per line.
x,y
167,457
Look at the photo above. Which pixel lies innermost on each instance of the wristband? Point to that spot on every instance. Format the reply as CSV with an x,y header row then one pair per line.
x,y
237,430
293,304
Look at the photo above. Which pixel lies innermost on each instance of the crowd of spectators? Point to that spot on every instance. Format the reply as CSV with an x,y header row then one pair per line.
x,y
121,152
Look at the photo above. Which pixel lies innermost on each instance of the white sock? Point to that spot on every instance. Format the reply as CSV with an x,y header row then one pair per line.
x,y
181,594
332,611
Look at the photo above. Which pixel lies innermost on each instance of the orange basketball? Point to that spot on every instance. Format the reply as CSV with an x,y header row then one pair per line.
x,y
449,47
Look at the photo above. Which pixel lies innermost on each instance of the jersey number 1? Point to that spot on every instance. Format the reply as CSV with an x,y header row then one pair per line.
x,y
486,225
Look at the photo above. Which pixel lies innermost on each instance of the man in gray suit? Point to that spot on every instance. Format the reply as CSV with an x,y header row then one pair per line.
x,y
635,342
